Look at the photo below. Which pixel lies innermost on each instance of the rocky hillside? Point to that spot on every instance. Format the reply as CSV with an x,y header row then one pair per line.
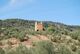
x,y
17,36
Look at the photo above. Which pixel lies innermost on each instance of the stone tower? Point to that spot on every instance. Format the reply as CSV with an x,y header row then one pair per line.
x,y
39,26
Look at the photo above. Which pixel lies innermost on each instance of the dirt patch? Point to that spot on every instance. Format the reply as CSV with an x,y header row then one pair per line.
x,y
42,37
13,41
28,43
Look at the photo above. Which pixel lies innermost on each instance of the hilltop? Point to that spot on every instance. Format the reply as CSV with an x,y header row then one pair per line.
x,y
18,36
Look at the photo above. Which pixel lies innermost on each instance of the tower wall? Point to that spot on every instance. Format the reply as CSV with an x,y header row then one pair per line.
x,y
35,26
38,26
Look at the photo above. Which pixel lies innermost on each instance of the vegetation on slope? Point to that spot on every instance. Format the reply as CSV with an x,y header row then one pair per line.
x,y
61,38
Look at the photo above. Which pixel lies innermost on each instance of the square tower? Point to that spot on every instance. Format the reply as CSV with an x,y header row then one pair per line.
x,y
39,26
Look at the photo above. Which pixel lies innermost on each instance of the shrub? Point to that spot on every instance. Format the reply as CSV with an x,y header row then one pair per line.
x,y
43,47
56,39
22,50
78,38
21,36
78,51
2,51
64,50
19,50
75,35
51,28
73,48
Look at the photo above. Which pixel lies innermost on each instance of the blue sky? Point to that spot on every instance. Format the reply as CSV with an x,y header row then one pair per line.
x,y
64,11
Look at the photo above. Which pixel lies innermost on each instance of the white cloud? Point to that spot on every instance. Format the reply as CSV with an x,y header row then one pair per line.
x,y
12,1
20,1
15,4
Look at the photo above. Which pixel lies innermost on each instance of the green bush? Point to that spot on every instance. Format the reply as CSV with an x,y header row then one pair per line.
x,y
78,38
74,35
78,51
43,47
63,50
21,36
2,51
22,50
19,50
73,48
